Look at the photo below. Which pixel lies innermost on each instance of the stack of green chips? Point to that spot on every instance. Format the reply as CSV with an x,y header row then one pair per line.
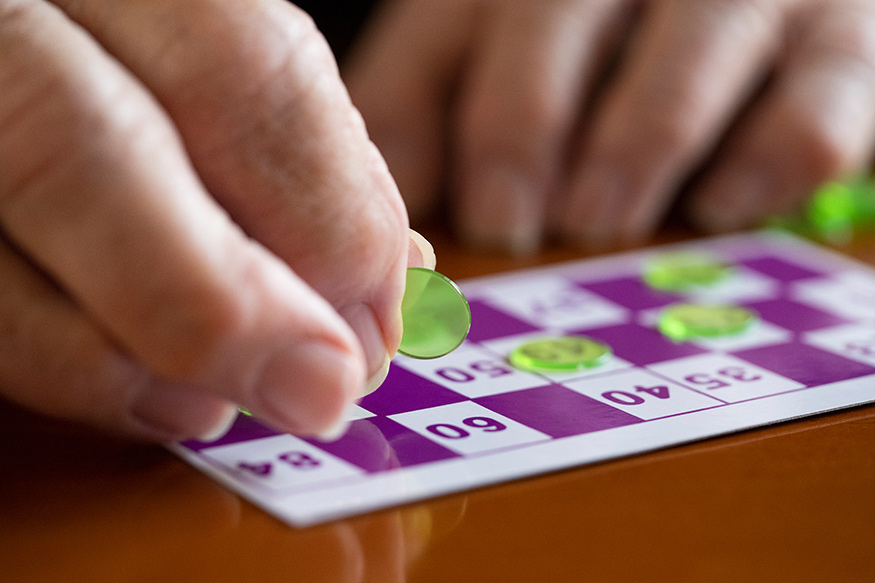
x,y
835,211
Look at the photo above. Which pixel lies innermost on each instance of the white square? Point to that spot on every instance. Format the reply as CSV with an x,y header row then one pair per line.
x,y
280,462
472,371
356,412
851,295
555,302
467,427
760,334
643,394
854,341
743,285
724,377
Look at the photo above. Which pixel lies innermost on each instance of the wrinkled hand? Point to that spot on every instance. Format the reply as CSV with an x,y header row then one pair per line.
x,y
587,117
191,217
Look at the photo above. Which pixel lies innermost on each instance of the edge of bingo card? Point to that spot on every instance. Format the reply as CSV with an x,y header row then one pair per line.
x,y
368,493
307,506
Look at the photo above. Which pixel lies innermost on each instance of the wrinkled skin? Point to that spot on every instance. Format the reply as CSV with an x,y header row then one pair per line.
x,y
584,118
192,217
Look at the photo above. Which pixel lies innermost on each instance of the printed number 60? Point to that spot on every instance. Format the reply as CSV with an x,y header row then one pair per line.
x,y
455,432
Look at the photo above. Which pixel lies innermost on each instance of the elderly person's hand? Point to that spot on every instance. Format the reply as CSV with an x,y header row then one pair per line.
x,y
587,117
192,217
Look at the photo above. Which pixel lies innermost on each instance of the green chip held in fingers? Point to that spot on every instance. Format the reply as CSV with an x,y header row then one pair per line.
x,y
681,272
685,321
435,315
560,354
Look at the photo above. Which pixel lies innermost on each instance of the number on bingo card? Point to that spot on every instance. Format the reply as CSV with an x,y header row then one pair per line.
x,y
627,398
479,367
711,382
258,469
864,347
300,460
449,431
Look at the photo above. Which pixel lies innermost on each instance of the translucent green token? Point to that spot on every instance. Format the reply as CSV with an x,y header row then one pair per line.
x,y
835,212
560,354
684,271
435,314
685,321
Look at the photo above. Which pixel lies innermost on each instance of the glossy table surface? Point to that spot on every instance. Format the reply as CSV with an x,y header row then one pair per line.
x,y
792,502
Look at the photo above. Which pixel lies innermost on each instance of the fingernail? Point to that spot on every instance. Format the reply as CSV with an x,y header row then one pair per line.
x,y
173,412
377,378
421,252
363,322
221,427
308,387
504,209
730,201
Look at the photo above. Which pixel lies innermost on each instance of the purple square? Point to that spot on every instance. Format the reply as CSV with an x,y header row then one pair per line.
x,y
805,364
488,323
404,391
795,316
557,411
245,428
408,447
640,345
364,445
632,293
781,269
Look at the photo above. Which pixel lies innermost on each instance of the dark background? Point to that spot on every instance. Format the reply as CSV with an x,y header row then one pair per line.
x,y
339,20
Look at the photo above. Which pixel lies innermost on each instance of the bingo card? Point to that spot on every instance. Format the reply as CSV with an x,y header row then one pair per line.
x,y
469,419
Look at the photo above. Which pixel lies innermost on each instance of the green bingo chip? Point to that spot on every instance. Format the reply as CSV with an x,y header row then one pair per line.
x,y
684,271
684,321
560,354
435,314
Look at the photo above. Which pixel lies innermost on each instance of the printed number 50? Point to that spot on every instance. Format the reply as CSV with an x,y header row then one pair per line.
x,y
455,432
458,375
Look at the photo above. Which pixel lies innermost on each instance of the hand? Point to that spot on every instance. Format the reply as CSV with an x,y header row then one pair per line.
x,y
191,217
587,117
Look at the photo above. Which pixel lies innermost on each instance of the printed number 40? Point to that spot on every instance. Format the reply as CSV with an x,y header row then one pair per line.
x,y
626,398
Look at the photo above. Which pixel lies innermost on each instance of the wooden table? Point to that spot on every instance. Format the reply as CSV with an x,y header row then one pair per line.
x,y
793,502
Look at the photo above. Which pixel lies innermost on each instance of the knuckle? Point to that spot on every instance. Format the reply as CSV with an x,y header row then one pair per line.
x,y
674,129
56,123
190,334
517,129
13,13
848,39
763,11
275,45
366,254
